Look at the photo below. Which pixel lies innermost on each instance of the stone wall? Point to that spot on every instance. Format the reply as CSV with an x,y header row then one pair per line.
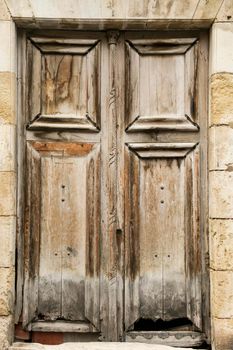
x,y
221,179
199,13
7,174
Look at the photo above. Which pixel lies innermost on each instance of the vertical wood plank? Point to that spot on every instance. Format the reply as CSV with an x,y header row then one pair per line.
x,y
33,85
191,83
112,188
93,84
50,273
132,247
32,234
21,173
202,81
73,235
93,239
132,84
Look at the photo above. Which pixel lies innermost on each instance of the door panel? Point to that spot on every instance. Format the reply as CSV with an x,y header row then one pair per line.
x,y
162,216
161,84
63,231
165,179
63,83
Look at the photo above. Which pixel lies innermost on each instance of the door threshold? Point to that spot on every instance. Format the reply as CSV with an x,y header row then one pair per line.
x,y
185,339
94,346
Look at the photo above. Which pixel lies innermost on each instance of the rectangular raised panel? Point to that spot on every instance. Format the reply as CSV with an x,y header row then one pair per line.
x,y
160,84
65,74
163,261
63,232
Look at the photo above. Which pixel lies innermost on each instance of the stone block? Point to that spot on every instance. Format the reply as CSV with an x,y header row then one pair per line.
x,y
207,9
8,46
221,99
7,239
222,334
7,147
225,13
221,53
221,194
4,12
6,332
221,294
7,278
220,154
94,346
221,244
165,9
7,97
7,193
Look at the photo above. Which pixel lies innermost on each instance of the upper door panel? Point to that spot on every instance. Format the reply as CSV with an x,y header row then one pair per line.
x,y
63,88
161,84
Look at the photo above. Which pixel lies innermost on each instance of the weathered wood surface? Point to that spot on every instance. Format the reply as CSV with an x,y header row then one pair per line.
x,y
162,185
63,84
161,78
63,199
114,229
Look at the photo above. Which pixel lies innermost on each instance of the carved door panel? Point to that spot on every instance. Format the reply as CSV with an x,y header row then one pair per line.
x,y
114,134
165,131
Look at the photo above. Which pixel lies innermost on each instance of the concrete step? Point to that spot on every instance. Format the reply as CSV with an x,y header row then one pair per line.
x,y
93,346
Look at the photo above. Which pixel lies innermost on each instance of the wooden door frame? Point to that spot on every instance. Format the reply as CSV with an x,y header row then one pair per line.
x,y
95,25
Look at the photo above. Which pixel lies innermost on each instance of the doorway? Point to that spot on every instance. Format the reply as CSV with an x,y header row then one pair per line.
x,y
114,234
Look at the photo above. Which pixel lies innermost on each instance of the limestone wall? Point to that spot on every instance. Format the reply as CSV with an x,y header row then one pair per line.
x,y
221,180
7,174
197,12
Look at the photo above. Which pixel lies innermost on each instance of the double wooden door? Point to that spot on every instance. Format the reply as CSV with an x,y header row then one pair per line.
x,y
115,203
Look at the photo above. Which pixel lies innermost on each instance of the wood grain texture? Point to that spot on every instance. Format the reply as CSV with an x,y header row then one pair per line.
x,y
116,221
64,86
161,83
153,164
161,288
68,231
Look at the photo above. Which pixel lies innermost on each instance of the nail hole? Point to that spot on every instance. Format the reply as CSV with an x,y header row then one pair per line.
x,y
168,256
68,254
162,202
55,254
162,188
63,186
63,200
156,255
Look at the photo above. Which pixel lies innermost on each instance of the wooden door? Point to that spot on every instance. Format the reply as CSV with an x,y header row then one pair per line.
x,y
114,216
63,176
165,178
